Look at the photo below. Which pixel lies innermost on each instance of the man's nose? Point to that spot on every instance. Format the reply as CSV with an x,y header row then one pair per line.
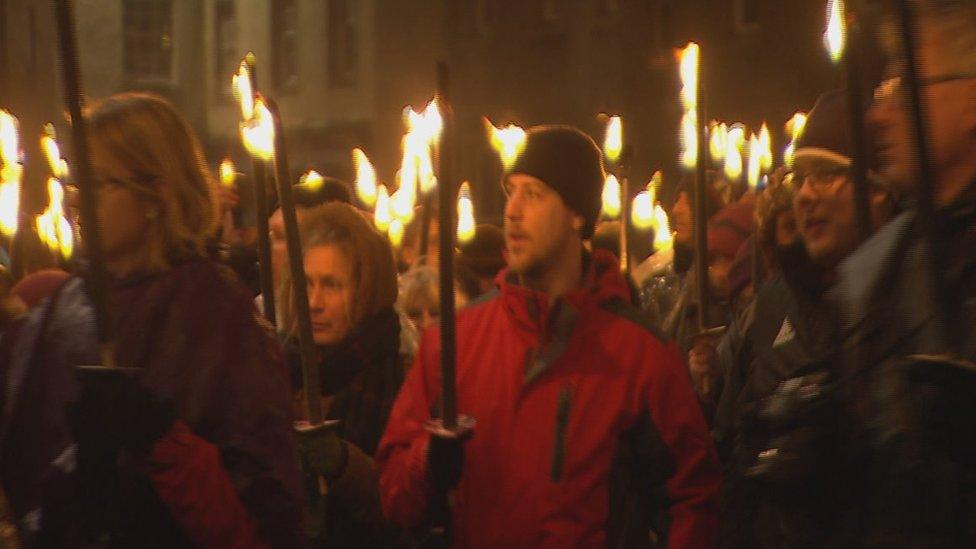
x,y
513,207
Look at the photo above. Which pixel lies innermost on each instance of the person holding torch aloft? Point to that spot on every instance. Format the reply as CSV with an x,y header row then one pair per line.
x,y
191,443
564,379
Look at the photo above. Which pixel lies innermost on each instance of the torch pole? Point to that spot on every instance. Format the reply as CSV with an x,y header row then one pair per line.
x,y
447,194
855,114
259,185
926,216
299,292
701,211
95,282
624,217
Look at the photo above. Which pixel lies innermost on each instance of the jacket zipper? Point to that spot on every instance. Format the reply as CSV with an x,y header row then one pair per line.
x,y
559,446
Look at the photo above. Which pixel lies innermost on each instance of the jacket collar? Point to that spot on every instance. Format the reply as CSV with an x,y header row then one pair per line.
x,y
530,309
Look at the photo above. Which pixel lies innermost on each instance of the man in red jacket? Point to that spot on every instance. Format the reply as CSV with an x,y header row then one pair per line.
x,y
588,431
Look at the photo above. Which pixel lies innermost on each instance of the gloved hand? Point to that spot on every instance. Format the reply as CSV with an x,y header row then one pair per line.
x,y
323,452
445,453
114,411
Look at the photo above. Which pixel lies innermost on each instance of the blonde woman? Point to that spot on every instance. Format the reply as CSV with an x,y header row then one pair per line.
x,y
193,449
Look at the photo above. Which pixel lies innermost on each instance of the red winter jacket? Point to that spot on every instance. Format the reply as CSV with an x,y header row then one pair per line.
x,y
558,393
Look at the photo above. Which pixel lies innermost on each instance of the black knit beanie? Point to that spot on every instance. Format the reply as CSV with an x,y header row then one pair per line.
x,y
570,162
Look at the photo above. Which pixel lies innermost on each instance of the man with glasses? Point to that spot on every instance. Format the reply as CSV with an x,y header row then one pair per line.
x,y
775,427
910,322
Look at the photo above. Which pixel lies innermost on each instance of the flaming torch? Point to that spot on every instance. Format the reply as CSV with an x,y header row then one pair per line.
x,y
53,227
382,215
465,209
365,178
642,209
694,149
11,173
266,140
508,142
733,152
613,147
794,128
843,26
611,197
244,84
419,146
663,237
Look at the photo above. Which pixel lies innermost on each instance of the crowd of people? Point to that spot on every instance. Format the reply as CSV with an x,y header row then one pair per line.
x,y
823,398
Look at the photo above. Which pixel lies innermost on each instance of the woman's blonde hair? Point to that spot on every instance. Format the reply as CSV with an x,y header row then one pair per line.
x,y
373,266
145,134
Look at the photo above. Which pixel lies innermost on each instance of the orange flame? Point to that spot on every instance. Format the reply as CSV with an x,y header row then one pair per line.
x,y
613,143
755,162
465,212
611,197
241,85
382,215
835,34
718,140
49,144
663,237
508,142
53,227
312,180
765,149
794,127
9,139
688,68
258,133
733,154
365,178
228,173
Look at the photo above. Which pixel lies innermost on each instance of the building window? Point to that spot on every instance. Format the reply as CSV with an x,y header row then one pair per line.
x,y
343,44
226,56
147,39
284,43
746,15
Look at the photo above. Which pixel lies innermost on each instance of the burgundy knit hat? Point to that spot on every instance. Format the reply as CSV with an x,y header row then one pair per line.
x,y
730,227
571,163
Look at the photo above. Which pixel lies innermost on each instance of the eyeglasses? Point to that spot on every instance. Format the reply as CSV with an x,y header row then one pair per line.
x,y
893,88
820,181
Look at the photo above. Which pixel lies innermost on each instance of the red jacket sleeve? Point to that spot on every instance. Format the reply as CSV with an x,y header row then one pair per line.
x,y
188,477
693,488
402,455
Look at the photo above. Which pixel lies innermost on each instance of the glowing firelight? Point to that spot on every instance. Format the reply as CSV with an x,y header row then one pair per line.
x,y
794,128
836,33
9,139
642,208
403,200
228,173
663,238
11,173
258,132
755,162
241,85
365,178
53,227
382,215
733,152
49,144
718,140
312,180
688,68
611,197
765,149
613,143
396,232
465,213
428,124
508,142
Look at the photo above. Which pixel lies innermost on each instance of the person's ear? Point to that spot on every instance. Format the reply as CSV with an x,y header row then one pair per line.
x,y
578,222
